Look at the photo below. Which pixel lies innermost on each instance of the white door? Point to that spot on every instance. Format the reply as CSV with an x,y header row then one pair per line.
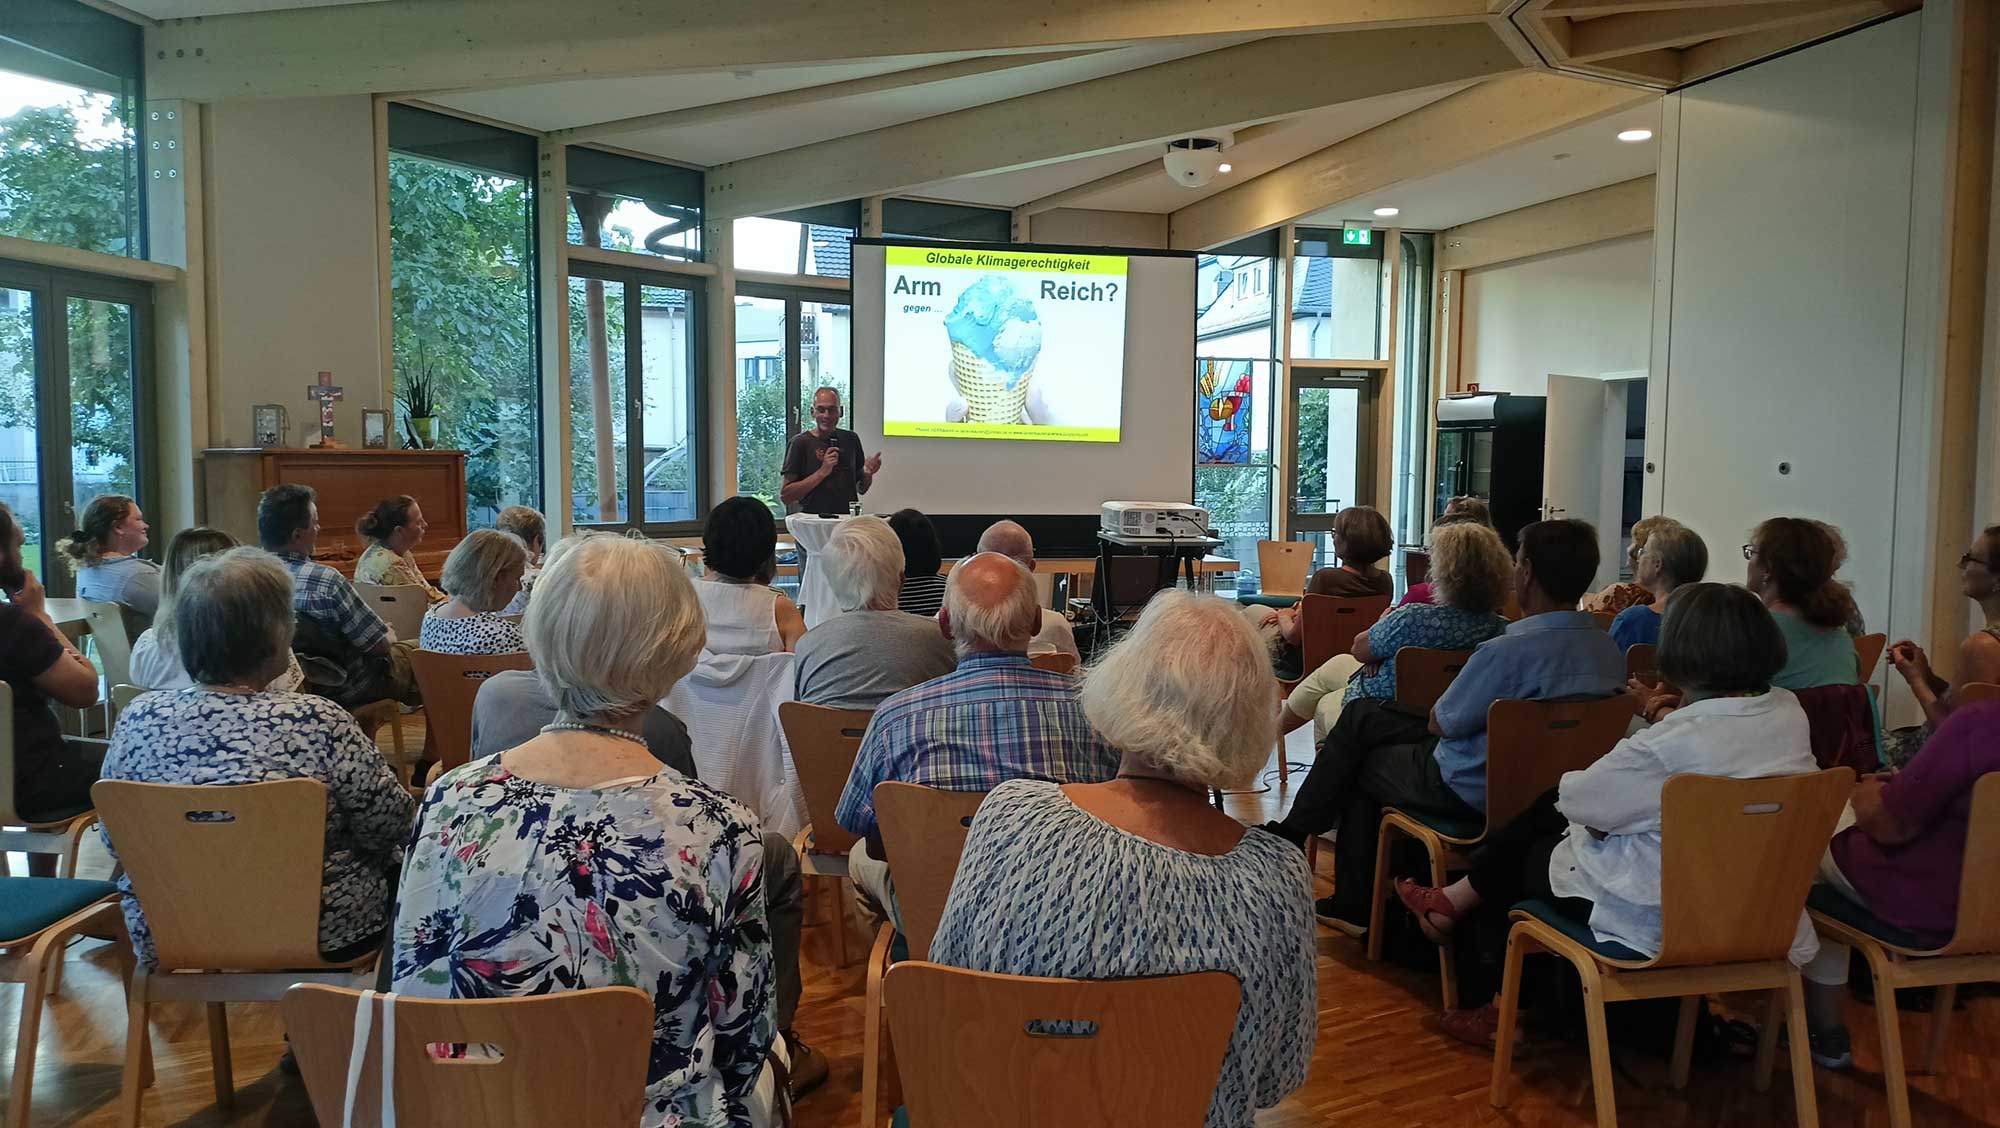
x,y
1573,469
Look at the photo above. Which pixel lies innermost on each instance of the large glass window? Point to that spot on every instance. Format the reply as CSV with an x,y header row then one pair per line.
x,y
790,342
1236,375
627,204
634,401
74,399
69,127
462,297
1339,297
810,241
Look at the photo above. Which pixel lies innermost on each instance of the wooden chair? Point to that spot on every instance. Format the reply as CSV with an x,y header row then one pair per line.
x,y
61,835
448,683
1282,568
571,1058
1720,930
1642,661
122,696
1604,619
1061,661
923,832
402,606
114,649
1976,693
1868,651
1423,674
974,1055
824,743
229,877
1529,745
1328,624
1896,959
386,713
39,916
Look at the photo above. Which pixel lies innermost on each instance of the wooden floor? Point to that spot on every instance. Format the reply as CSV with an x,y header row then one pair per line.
x,y
1379,1060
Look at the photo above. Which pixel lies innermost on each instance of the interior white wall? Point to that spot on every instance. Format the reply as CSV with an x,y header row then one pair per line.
x,y
1779,336
1581,312
1085,227
293,286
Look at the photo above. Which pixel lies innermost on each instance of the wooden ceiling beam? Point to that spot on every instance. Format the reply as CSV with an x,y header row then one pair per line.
x,y
1493,116
1228,89
1611,212
1636,33
402,45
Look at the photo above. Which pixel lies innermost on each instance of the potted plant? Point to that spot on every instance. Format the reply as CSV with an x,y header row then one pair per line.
x,y
419,398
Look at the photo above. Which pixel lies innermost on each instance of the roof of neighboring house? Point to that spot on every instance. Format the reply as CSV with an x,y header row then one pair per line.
x,y
831,253
1313,291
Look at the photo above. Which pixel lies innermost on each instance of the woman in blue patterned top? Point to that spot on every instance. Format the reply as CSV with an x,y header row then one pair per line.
x,y
576,860
1139,875
1470,577
233,624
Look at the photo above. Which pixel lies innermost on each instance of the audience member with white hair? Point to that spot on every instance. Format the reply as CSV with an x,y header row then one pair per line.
x,y
233,623
595,866
995,718
482,575
1138,875
1052,634
870,649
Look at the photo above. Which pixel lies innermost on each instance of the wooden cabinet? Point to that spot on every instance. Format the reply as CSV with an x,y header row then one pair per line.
x,y
348,484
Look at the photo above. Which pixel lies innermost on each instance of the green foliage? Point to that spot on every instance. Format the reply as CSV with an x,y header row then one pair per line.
x,y
462,293
761,433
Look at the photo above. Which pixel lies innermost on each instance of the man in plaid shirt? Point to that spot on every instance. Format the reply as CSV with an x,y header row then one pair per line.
x,y
334,622
993,719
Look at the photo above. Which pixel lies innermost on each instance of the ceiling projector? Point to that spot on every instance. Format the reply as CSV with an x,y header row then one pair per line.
x,y
1193,161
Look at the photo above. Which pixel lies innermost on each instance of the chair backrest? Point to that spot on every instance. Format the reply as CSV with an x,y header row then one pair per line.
x,y
1530,744
1282,566
449,683
572,1058
1868,651
1976,693
1603,619
923,830
977,1050
1738,857
1423,674
8,815
122,696
1642,661
114,645
402,606
1328,624
1978,931
824,743
1061,661
183,847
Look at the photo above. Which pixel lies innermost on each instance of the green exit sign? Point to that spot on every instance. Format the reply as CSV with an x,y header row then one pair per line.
x,y
1356,236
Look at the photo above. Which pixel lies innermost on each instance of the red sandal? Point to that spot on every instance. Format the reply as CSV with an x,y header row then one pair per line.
x,y
1433,910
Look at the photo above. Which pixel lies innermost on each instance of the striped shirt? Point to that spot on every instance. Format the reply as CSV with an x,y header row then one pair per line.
x,y
323,595
993,719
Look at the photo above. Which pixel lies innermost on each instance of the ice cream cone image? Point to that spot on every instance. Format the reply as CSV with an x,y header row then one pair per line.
x,y
996,338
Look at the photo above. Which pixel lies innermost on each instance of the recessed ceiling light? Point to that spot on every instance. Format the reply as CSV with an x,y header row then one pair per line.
x,y
1387,212
1223,167
1635,135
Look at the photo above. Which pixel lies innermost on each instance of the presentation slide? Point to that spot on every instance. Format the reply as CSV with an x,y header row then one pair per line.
x,y
989,344
1128,358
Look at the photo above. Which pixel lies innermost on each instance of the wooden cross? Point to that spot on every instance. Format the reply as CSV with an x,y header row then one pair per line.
x,y
326,392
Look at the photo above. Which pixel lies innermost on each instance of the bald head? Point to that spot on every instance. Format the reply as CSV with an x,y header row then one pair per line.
x,y
1008,538
990,606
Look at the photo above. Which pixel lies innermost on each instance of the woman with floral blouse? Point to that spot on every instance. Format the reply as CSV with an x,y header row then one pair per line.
x,y
577,860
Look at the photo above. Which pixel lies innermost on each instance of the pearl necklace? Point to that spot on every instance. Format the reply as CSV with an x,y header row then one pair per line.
x,y
602,730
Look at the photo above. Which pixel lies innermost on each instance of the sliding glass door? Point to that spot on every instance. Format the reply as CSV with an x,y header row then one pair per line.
x,y
75,404
790,342
635,400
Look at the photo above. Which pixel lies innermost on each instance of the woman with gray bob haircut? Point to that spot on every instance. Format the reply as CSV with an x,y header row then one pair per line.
x,y
1139,875
233,622
482,575
582,833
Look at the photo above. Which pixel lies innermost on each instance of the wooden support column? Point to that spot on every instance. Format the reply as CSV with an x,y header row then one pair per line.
x,y
552,257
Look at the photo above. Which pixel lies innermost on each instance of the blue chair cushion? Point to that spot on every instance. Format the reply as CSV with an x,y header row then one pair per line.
x,y
1259,599
899,948
1577,930
1446,825
902,1117
1832,902
30,904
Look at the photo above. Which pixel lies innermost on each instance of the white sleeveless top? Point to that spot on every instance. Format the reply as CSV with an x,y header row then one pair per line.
x,y
742,618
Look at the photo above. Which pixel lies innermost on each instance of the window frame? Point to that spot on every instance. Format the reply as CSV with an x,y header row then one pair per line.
x,y
52,288
634,279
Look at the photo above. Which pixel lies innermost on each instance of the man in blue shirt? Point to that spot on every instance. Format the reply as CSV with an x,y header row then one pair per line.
x,y
1376,757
